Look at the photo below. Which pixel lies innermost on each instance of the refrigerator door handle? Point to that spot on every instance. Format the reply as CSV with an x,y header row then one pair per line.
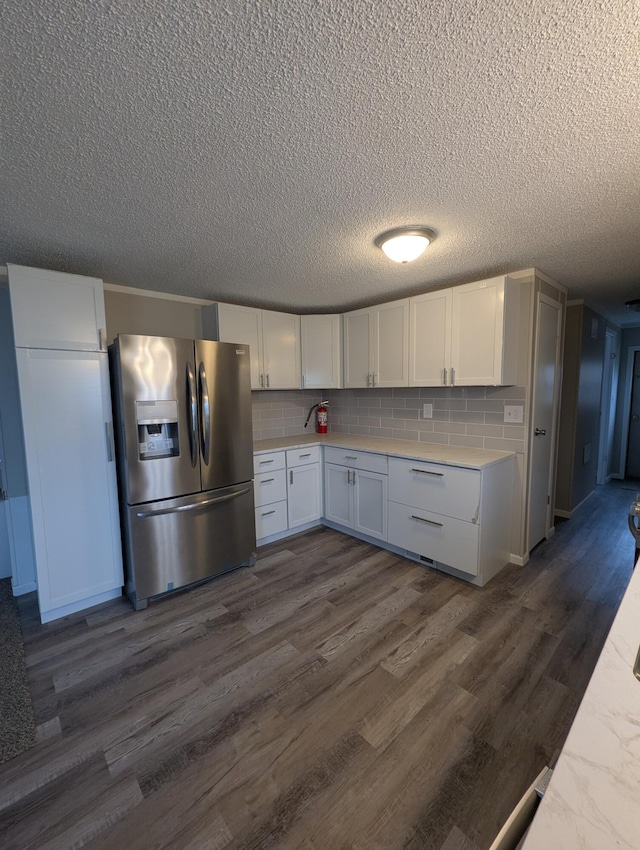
x,y
196,505
193,414
205,415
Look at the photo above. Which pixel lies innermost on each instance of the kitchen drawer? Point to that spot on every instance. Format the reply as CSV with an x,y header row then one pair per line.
x,y
268,461
449,541
356,460
449,490
301,457
271,519
270,487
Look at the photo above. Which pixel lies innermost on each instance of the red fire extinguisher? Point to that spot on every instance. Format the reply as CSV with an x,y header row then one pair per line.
x,y
322,424
322,419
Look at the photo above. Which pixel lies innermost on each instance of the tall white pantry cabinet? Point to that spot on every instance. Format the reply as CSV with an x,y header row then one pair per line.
x,y
63,376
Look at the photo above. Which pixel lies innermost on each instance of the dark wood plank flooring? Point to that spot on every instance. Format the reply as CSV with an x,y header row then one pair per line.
x,y
334,696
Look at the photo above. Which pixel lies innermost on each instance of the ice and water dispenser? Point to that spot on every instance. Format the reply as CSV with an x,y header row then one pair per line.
x,y
157,429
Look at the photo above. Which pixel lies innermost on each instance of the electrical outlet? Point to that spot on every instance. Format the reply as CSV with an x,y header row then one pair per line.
x,y
427,411
514,413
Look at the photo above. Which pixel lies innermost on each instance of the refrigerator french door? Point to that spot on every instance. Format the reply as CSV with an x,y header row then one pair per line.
x,y
185,459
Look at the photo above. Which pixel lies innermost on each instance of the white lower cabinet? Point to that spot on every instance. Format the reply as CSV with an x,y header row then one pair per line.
x,y
304,485
304,494
454,518
355,494
270,493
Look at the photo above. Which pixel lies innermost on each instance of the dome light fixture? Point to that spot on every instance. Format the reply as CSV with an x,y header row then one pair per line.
x,y
633,305
405,244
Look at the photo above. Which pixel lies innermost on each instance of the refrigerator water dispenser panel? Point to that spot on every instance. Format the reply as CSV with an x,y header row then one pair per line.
x,y
157,423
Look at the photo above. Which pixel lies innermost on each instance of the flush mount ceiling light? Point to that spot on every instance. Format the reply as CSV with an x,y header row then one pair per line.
x,y
404,244
633,305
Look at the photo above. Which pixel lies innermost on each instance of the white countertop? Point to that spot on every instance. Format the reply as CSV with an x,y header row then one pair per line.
x,y
450,455
593,799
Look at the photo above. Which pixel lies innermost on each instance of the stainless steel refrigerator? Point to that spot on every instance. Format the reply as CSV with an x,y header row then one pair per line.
x,y
185,460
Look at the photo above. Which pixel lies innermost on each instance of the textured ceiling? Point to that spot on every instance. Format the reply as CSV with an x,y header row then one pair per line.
x,y
251,151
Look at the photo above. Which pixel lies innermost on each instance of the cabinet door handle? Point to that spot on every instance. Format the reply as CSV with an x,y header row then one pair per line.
x,y
102,339
303,380
426,472
374,379
348,476
291,477
261,380
540,432
267,513
267,380
453,376
444,377
353,479
266,480
308,454
428,521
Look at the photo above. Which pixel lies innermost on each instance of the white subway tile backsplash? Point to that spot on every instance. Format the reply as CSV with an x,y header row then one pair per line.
x,y
463,416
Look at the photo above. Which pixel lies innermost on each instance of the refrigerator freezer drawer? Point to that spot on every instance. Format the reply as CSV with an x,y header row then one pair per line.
x,y
175,542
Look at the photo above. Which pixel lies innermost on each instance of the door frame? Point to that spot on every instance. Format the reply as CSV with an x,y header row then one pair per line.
x,y
540,297
607,421
626,411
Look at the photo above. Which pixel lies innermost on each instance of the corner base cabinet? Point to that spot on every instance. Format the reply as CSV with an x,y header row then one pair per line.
x,y
356,491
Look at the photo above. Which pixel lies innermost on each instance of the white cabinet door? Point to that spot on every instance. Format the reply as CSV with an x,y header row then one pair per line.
x,y
390,347
321,344
55,310
304,494
281,347
338,501
68,434
243,325
370,503
477,333
357,348
430,339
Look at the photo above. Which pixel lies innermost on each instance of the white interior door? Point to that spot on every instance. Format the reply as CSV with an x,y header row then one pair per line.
x,y
607,408
5,553
633,446
543,418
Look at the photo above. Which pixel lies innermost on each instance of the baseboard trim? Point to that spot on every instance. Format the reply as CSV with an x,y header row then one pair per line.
x,y
288,532
21,589
563,514
519,560
80,605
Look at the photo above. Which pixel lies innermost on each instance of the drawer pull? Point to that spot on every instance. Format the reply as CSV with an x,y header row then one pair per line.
x,y
426,472
351,457
266,461
428,521
267,480
267,513
308,454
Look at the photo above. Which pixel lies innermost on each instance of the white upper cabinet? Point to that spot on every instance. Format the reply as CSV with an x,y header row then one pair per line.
x,y
430,339
56,311
281,350
376,346
484,332
465,336
321,344
273,338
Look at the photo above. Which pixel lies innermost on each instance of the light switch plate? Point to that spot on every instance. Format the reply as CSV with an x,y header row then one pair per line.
x,y
427,411
514,413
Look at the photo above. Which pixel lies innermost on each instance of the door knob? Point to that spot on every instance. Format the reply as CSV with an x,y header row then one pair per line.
x,y
540,432
635,417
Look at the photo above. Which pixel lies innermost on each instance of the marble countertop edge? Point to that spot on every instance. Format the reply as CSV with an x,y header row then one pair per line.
x,y
473,458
